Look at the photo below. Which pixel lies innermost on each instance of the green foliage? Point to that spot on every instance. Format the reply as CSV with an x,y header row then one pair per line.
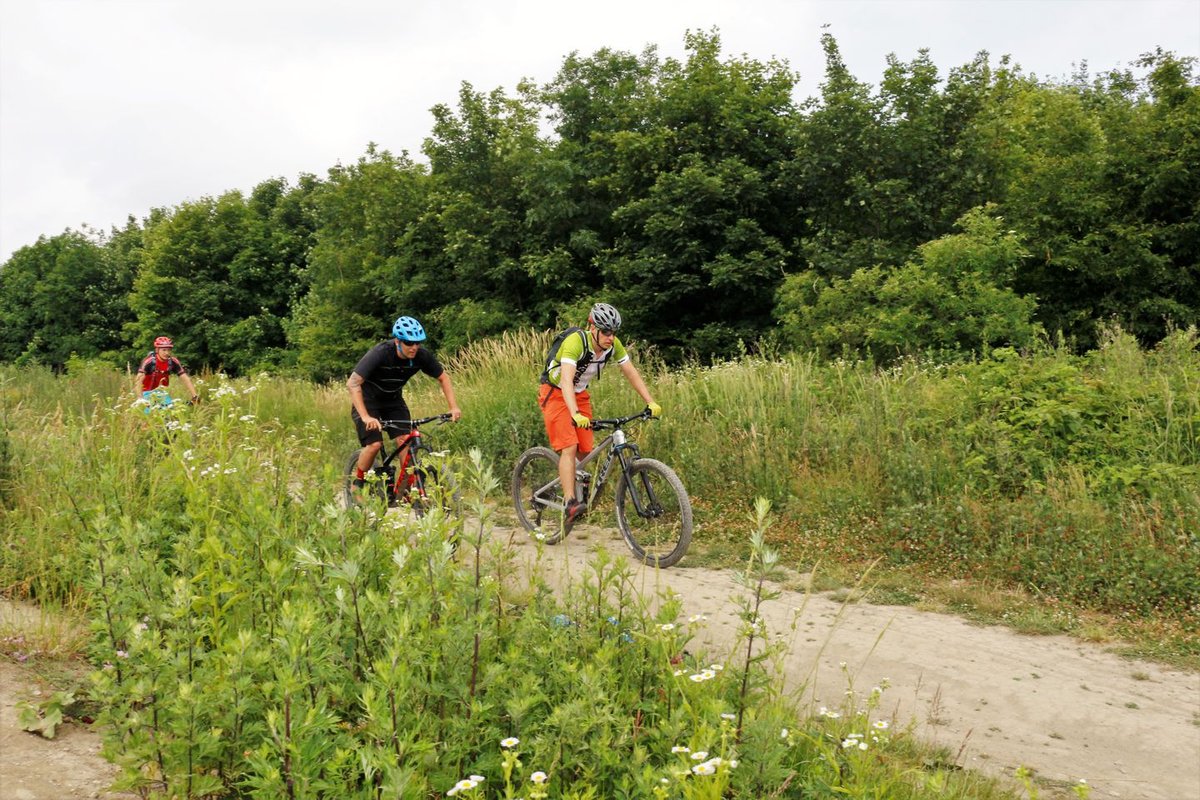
x,y
700,240
1091,171
253,640
7,468
60,296
956,299
219,277
43,717
250,636
694,193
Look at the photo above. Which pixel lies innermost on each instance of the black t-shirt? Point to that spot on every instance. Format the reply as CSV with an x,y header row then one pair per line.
x,y
384,372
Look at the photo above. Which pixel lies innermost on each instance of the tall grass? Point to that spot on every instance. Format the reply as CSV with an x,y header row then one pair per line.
x,y
253,639
1075,476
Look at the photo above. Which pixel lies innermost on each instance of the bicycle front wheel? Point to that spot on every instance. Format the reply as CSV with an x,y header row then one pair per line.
x,y
537,493
654,513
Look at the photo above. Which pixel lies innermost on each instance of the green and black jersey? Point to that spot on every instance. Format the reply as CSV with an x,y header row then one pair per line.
x,y
573,350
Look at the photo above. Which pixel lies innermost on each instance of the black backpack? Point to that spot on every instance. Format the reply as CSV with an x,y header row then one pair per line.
x,y
580,365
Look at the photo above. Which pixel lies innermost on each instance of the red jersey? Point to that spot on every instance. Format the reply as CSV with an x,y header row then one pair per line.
x,y
156,372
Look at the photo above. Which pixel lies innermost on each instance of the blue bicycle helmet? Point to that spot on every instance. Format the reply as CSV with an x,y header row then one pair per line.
x,y
408,329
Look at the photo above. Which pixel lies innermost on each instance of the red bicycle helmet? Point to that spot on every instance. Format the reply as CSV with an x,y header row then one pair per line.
x,y
163,341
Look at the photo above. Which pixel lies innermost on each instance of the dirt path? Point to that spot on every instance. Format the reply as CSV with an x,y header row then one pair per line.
x,y
68,767
996,699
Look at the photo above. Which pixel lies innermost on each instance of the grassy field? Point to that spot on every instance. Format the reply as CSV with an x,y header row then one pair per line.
x,y
252,638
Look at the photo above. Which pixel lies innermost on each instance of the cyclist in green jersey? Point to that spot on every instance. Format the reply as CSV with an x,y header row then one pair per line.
x,y
568,414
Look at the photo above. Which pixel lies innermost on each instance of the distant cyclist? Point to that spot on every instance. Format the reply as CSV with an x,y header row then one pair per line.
x,y
377,388
577,356
156,370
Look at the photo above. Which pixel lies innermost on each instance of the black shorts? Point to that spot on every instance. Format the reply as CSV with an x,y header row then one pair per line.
x,y
389,414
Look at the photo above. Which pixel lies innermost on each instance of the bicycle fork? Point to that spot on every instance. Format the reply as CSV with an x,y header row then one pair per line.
x,y
645,502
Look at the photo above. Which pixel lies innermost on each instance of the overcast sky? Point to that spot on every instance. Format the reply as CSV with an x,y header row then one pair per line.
x,y
113,107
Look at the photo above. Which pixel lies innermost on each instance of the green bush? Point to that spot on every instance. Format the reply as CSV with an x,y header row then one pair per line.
x,y
956,299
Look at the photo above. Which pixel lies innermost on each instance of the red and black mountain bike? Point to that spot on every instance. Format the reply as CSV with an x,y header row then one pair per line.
x,y
419,479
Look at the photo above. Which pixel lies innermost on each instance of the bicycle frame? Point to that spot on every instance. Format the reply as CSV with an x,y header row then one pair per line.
x,y
410,444
618,448
653,511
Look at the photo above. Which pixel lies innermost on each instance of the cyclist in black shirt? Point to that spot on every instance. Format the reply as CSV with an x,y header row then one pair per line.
x,y
377,388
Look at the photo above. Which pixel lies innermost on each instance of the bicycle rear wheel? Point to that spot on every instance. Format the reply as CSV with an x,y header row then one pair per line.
x,y
654,513
374,490
537,493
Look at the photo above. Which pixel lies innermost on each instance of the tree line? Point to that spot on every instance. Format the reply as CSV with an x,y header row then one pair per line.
x,y
926,213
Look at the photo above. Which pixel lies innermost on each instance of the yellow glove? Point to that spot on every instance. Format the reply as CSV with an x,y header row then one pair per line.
x,y
581,421
655,409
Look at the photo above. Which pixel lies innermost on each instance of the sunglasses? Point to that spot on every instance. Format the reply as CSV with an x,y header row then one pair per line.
x,y
607,332
408,344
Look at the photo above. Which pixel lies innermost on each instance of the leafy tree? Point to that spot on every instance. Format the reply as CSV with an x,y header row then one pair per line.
x,y
123,250
362,213
265,275
572,190
58,296
876,174
466,251
955,298
1101,184
699,250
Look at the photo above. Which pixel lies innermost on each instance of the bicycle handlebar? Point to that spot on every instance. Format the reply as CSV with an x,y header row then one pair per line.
x,y
416,423
616,422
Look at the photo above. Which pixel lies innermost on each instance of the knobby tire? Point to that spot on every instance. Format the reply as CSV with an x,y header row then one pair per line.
x,y
662,533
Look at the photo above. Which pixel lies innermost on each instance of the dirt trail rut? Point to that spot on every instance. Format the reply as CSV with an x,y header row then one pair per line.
x,y
1065,709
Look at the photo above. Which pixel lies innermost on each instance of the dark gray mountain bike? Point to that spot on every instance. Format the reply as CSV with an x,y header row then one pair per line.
x,y
654,513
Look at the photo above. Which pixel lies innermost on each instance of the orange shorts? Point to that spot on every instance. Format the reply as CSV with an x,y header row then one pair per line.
x,y
559,425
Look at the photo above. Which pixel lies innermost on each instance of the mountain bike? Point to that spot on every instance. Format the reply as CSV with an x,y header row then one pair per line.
x,y
653,511
418,480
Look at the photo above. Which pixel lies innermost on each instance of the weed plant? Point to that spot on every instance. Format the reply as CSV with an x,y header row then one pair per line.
x,y
284,647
